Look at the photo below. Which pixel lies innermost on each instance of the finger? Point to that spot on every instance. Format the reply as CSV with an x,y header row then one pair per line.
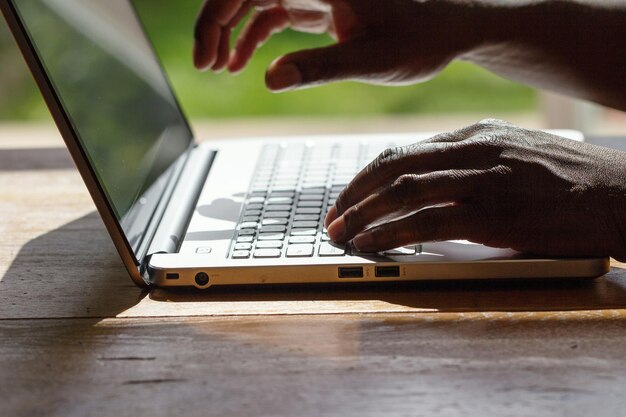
x,y
407,194
260,27
223,56
223,52
206,46
214,15
429,225
350,60
395,162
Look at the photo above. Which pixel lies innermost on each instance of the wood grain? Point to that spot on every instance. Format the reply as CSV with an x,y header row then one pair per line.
x,y
363,365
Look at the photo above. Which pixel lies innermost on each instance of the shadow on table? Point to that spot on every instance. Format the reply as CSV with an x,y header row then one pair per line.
x,y
465,296
73,271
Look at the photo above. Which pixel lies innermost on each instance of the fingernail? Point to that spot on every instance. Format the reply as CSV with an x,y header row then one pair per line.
x,y
330,217
283,78
363,242
337,229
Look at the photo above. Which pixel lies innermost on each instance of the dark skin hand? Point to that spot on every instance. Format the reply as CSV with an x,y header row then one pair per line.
x,y
491,183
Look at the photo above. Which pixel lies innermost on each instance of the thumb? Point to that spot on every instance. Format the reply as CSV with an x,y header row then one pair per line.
x,y
343,61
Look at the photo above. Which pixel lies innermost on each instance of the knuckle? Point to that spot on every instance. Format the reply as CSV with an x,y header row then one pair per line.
x,y
402,189
494,140
342,200
382,164
389,154
353,217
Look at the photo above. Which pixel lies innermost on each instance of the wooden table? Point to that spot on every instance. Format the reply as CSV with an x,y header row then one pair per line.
x,y
78,339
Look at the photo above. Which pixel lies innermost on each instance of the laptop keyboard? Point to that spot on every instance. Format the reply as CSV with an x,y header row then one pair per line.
x,y
293,188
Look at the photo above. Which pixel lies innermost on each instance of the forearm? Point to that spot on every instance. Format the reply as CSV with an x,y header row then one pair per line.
x,y
576,48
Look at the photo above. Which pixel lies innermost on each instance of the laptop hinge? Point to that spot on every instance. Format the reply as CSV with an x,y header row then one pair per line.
x,y
181,205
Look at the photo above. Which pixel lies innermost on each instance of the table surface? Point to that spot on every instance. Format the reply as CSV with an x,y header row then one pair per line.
x,y
78,339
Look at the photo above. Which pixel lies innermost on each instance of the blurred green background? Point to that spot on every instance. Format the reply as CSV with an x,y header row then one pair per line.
x,y
460,88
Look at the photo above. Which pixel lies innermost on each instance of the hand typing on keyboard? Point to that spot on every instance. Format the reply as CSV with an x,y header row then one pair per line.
x,y
292,190
491,183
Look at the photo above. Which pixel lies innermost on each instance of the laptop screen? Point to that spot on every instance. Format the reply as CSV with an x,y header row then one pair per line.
x,y
114,92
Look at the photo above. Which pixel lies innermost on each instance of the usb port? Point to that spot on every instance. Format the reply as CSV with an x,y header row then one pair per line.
x,y
172,276
351,272
387,271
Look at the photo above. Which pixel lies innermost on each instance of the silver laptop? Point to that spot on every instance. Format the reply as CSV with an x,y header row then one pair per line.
x,y
223,213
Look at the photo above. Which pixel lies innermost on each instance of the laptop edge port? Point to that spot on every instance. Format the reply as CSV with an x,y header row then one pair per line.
x,y
387,271
351,272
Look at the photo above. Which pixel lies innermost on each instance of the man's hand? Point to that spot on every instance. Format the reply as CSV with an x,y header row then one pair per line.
x,y
491,183
575,47
389,42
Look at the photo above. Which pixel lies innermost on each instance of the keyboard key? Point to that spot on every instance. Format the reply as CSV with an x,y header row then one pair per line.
x,y
272,236
247,232
250,213
281,194
309,204
254,206
319,181
241,254
284,189
300,251
329,249
245,239
313,190
278,208
260,188
267,253
249,225
303,224
277,228
280,200
303,232
275,222
269,244
306,217
301,239
308,210
243,246
204,250
312,197
258,200
277,215
247,219
325,237
309,185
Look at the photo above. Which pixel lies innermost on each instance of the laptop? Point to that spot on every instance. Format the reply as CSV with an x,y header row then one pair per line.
x,y
229,212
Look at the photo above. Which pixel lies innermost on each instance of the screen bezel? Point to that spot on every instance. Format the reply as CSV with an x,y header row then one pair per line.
x,y
133,262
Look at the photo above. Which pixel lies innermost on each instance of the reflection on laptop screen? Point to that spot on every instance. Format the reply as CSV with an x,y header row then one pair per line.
x,y
115,94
